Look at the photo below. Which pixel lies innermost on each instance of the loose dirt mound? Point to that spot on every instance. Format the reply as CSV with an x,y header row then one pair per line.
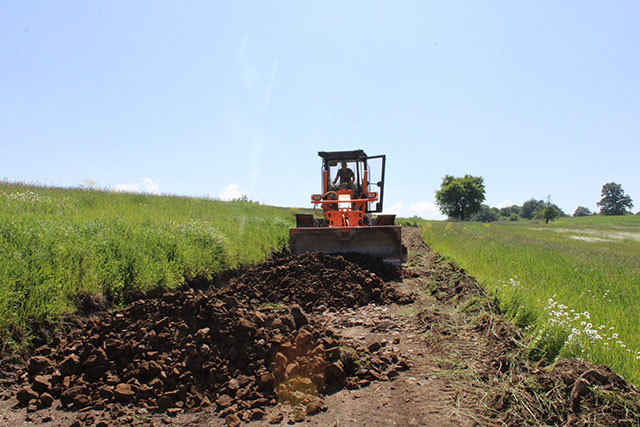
x,y
572,393
314,280
225,349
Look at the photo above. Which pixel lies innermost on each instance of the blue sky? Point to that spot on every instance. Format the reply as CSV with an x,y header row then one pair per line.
x,y
224,98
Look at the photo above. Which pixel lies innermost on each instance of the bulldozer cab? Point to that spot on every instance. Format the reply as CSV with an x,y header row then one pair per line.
x,y
368,174
346,201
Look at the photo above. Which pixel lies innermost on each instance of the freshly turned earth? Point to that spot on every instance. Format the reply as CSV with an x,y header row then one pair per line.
x,y
229,349
314,280
311,340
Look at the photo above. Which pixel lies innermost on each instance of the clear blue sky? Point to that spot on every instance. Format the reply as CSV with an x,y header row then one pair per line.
x,y
220,98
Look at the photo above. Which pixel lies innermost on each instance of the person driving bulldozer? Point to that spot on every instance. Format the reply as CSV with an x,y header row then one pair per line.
x,y
346,176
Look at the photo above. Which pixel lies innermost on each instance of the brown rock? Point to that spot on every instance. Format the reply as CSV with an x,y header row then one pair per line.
x,y
223,401
299,414
155,383
25,394
231,302
70,393
69,365
81,401
172,412
233,420
161,323
276,419
281,363
334,374
205,402
43,350
150,369
97,357
123,392
375,346
292,370
164,403
304,339
38,364
41,384
257,414
245,326
46,400
314,406
299,316
105,391
233,385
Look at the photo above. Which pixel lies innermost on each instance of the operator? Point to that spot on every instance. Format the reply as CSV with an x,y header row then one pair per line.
x,y
346,176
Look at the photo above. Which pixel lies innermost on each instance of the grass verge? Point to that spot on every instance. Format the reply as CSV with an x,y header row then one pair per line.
x,y
572,285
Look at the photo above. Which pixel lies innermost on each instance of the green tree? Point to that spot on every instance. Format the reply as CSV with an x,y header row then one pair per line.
x,y
549,212
509,210
459,198
614,201
486,214
582,211
530,208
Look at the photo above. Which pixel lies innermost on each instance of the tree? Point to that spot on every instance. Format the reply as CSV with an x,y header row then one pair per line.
x,y
509,210
549,212
582,211
460,198
614,201
530,208
486,214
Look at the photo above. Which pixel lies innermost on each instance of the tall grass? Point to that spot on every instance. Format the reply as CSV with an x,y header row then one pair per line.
x,y
58,244
573,285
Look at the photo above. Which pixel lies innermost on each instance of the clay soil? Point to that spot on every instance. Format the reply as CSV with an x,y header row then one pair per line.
x,y
309,340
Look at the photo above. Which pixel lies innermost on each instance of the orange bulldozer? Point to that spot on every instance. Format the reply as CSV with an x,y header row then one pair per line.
x,y
343,219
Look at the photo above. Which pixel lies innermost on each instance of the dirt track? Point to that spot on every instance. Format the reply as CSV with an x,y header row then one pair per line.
x,y
313,340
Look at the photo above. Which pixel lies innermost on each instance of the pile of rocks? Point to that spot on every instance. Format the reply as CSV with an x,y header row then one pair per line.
x,y
315,279
224,348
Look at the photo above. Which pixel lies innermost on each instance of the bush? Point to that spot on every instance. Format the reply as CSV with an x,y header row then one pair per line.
x,y
582,211
486,214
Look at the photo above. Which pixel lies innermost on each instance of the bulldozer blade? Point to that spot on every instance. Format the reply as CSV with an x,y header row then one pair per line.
x,y
383,241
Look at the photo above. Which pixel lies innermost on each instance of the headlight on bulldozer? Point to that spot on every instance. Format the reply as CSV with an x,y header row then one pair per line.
x,y
372,195
316,197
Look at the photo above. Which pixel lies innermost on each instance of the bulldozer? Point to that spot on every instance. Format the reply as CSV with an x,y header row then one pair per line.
x,y
343,218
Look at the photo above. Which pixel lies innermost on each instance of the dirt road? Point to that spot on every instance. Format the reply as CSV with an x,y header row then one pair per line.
x,y
311,340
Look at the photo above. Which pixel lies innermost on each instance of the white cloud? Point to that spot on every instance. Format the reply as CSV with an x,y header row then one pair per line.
x,y
231,192
505,204
145,186
394,209
426,209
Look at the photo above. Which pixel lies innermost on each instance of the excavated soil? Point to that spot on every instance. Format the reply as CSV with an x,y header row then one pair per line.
x,y
314,340
318,281
233,349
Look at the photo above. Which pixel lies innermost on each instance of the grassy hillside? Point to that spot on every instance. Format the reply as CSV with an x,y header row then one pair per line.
x,y
57,244
574,284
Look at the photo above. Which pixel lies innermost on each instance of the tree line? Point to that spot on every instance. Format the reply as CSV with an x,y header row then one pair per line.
x,y
461,198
